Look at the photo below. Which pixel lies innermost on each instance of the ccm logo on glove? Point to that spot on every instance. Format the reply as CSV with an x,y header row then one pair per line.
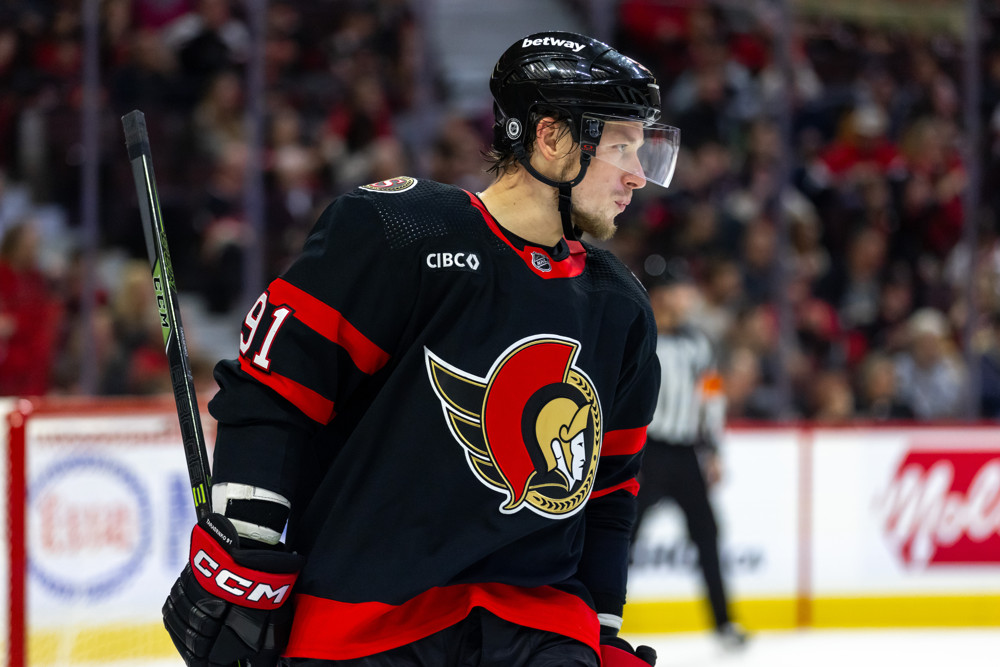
x,y
266,590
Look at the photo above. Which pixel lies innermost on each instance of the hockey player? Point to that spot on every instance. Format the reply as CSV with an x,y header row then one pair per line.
x,y
446,398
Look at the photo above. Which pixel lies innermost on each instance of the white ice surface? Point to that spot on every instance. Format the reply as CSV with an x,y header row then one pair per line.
x,y
814,648
840,648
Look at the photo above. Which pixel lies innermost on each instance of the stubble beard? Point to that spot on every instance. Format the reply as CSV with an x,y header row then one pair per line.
x,y
600,227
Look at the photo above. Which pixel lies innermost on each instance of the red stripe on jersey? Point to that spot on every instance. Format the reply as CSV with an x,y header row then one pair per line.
x,y
331,630
569,267
330,324
624,442
632,486
312,405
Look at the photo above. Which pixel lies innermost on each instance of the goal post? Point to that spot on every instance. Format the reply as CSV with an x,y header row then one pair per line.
x,y
99,515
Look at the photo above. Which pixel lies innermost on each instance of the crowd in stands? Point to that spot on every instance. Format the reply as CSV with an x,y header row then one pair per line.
x,y
868,233
865,243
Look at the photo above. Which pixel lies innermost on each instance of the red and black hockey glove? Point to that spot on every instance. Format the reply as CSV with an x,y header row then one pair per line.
x,y
616,652
230,603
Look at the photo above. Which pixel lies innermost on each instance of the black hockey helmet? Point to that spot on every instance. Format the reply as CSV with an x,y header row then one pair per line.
x,y
593,85
572,72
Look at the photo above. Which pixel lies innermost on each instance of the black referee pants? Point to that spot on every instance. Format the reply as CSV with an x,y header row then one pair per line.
x,y
481,640
673,471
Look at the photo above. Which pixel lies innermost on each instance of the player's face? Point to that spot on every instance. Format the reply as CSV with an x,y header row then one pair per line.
x,y
612,177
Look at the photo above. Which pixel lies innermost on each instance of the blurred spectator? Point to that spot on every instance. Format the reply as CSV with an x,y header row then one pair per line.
x,y
896,301
853,285
206,41
758,258
861,145
931,210
807,87
817,326
929,374
358,134
15,202
721,296
456,155
136,328
147,79
850,173
928,88
294,171
223,231
878,395
30,315
751,365
219,118
294,164
830,397
989,371
284,47
741,376
714,98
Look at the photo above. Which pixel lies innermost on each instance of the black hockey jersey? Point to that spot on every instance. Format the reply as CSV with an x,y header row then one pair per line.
x,y
457,417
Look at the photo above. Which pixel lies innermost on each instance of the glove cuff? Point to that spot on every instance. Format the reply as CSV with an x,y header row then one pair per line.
x,y
612,656
219,574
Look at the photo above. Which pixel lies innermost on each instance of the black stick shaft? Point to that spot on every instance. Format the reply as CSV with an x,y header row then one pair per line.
x,y
137,142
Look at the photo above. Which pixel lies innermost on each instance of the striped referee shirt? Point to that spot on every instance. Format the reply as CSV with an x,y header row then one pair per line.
x,y
691,406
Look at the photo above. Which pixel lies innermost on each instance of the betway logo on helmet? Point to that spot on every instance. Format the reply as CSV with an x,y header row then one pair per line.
x,y
576,47
942,507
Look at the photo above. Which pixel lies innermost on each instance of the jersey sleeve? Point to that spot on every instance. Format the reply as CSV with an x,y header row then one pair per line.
x,y
611,510
316,334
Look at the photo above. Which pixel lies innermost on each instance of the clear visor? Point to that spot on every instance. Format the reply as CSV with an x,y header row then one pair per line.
x,y
646,150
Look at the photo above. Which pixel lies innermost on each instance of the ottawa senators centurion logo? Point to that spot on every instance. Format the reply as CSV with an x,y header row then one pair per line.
x,y
531,428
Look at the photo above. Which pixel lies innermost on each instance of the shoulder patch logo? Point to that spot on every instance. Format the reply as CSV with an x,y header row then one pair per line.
x,y
531,429
398,184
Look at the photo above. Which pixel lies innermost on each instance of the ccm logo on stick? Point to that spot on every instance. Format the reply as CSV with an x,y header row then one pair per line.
x,y
453,260
237,586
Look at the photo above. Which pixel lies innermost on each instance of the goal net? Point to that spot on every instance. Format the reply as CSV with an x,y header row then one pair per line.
x,y
99,515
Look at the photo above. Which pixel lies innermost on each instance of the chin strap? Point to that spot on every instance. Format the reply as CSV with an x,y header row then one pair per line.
x,y
565,212
565,188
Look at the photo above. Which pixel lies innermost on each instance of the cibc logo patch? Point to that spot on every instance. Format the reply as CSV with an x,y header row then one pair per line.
x,y
91,528
942,507
460,261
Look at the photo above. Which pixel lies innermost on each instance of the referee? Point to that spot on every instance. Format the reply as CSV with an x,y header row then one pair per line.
x,y
682,459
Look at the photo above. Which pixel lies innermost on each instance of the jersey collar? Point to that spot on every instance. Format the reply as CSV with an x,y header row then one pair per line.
x,y
538,258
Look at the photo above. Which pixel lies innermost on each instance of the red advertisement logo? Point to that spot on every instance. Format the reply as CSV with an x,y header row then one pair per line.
x,y
942,507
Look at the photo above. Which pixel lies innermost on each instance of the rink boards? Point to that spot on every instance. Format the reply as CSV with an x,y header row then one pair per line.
x,y
838,527
822,527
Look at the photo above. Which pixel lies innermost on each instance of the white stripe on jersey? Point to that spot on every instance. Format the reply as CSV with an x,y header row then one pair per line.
x,y
684,356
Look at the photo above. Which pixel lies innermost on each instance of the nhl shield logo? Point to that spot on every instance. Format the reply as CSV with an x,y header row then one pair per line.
x,y
541,262
531,428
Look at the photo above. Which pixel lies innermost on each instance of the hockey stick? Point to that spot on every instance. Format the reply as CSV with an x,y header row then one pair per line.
x,y
139,154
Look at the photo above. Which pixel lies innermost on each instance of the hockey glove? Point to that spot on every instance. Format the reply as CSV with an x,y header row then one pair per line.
x,y
616,652
229,602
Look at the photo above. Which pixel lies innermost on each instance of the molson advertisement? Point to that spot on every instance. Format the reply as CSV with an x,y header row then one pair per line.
x,y
837,527
942,508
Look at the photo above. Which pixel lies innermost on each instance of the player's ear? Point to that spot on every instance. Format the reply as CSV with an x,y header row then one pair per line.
x,y
553,140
